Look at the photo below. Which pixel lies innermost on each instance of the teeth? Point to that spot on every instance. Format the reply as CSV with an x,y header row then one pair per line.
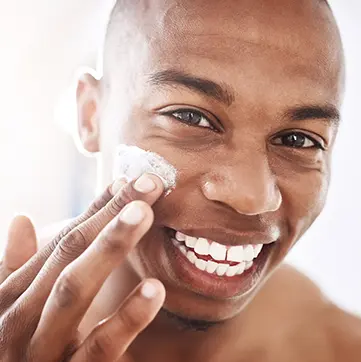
x,y
241,254
183,249
180,236
191,241
241,268
249,265
222,269
217,251
249,253
201,264
232,271
235,253
211,266
202,247
191,257
257,249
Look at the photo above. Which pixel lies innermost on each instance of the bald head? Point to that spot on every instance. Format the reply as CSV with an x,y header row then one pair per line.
x,y
135,24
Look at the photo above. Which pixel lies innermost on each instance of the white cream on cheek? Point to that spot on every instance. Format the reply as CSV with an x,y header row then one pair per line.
x,y
131,162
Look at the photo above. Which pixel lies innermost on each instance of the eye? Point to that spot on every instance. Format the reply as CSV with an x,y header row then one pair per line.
x,y
192,117
297,140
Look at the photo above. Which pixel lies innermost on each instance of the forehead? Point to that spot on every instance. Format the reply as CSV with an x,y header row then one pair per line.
x,y
293,44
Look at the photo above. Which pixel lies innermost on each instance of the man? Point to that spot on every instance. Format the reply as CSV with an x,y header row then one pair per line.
x,y
243,98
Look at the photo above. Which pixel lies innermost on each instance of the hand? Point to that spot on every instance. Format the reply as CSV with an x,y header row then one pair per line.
x,y
20,247
43,302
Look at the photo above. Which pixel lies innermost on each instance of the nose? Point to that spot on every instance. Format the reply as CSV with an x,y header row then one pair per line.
x,y
248,187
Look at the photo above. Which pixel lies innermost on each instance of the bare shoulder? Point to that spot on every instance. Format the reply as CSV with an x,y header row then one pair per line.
x,y
293,288
314,318
344,331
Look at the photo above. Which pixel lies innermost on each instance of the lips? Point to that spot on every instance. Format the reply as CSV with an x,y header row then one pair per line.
x,y
219,271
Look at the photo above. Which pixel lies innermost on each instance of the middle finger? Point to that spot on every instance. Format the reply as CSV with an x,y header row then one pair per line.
x,y
79,239
80,281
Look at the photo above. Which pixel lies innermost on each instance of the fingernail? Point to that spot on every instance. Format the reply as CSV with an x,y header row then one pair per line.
x,y
132,214
145,184
118,185
149,291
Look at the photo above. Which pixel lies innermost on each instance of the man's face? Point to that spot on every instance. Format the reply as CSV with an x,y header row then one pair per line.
x,y
242,98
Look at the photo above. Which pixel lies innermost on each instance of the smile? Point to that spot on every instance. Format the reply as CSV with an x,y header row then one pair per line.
x,y
215,258
217,270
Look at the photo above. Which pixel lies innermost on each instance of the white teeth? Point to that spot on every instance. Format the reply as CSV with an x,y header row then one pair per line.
x,y
249,265
222,269
191,241
257,249
201,264
183,249
232,271
211,266
248,253
244,255
241,268
217,251
202,247
180,236
191,257
235,253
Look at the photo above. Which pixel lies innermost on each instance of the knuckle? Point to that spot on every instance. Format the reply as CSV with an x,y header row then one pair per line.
x,y
15,324
127,195
110,244
67,290
100,202
132,322
100,346
71,245
9,293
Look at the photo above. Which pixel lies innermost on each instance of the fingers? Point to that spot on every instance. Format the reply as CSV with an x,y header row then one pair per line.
x,y
78,240
21,246
20,280
80,281
110,339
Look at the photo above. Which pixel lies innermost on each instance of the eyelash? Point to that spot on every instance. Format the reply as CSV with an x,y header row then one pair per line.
x,y
316,144
194,112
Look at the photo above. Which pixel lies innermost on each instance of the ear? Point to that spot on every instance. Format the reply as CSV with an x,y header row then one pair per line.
x,y
88,100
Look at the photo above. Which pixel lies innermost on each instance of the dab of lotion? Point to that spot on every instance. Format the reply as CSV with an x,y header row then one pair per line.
x,y
132,162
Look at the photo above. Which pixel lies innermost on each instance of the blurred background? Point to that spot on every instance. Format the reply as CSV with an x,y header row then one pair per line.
x,y
43,174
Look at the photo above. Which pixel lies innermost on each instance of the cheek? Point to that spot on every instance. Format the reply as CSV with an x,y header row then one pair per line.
x,y
304,197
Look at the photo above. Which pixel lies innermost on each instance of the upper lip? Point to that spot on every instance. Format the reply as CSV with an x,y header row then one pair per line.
x,y
230,237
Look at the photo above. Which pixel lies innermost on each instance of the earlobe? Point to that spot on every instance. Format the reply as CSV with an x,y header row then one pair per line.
x,y
88,101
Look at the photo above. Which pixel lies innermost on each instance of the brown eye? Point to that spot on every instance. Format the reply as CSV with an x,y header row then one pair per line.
x,y
192,118
297,140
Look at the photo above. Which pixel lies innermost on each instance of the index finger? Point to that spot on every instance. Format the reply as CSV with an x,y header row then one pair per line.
x,y
78,240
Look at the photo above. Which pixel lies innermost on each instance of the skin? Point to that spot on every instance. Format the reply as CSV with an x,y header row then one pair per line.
x,y
283,189
238,177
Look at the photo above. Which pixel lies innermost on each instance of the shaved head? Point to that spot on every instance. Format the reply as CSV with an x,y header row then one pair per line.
x,y
129,17
139,28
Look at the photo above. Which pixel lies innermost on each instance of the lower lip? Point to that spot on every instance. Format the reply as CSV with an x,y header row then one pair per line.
x,y
212,285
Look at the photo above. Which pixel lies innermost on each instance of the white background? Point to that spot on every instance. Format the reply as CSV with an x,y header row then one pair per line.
x,y
43,42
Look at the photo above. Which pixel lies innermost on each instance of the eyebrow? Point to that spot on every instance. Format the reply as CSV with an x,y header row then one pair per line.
x,y
226,95
303,113
206,87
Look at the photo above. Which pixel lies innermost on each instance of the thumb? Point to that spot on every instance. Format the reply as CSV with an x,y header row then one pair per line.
x,y
21,244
